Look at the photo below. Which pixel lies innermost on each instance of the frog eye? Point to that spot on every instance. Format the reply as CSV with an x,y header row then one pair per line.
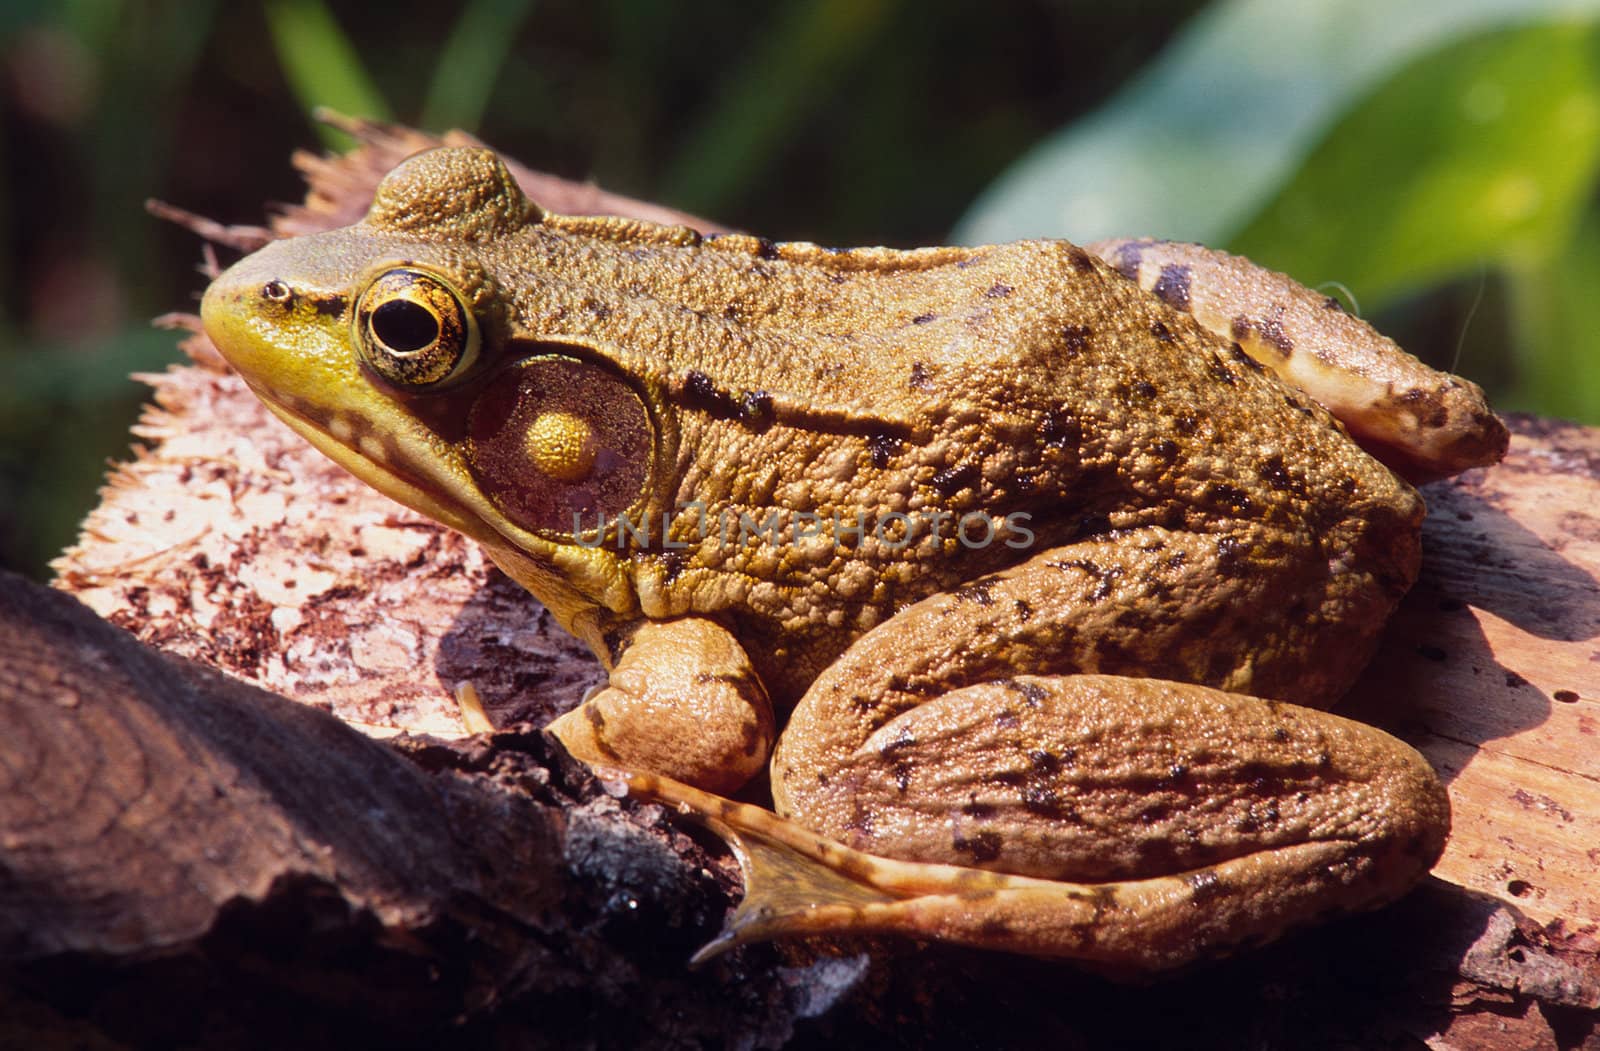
x,y
414,330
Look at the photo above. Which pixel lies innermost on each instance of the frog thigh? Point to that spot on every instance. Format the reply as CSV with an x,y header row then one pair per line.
x,y
1095,778
1423,423
1089,815
1244,610
683,702
1191,821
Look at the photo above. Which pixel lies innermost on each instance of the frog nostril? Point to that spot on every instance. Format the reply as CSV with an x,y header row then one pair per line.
x,y
277,291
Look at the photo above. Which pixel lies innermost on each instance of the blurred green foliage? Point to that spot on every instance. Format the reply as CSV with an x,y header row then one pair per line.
x,y
1427,155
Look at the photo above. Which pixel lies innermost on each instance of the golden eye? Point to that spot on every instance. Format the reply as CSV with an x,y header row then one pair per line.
x,y
413,329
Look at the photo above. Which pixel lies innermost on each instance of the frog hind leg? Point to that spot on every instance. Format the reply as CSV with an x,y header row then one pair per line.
x,y
1130,820
1326,816
1425,424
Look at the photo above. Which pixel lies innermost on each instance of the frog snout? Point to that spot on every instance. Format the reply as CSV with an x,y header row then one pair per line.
x,y
234,304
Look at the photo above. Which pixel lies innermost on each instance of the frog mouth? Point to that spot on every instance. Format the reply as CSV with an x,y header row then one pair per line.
x,y
379,462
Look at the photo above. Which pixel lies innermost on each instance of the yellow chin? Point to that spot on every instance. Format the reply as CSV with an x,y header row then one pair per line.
x,y
381,478
570,580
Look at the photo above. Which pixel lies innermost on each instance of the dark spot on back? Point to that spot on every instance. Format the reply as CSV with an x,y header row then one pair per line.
x,y
1205,886
1040,797
1074,339
1276,474
766,249
923,319
952,480
1129,256
1105,577
1160,330
1229,555
1566,696
672,564
920,379
1173,286
882,446
983,846
995,926
1060,429
1427,405
756,409
1433,653
1272,332
1080,260
1230,497
697,386
1220,371
1031,692
980,592
997,291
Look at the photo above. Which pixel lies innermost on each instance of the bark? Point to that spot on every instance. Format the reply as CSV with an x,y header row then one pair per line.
x,y
187,859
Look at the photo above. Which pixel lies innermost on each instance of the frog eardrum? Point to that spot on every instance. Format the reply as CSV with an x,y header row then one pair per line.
x,y
555,441
414,330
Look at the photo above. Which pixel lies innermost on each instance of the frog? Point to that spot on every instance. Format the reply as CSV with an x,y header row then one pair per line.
x,y
992,595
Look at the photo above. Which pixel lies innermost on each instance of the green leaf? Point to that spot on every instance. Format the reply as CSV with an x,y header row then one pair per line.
x,y
1193,147
1484,151
470,63
321,64
807,47
1553,306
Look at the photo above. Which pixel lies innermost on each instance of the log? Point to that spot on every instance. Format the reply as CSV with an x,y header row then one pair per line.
x,y
187,858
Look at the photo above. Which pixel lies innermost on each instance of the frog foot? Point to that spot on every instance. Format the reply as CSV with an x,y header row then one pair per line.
x,y
800,883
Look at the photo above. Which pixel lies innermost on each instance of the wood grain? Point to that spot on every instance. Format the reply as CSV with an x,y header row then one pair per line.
x,y
1492,669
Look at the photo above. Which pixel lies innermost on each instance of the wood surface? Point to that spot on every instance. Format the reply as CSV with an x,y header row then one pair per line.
x,y
229,541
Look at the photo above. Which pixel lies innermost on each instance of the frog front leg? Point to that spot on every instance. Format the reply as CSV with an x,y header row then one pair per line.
x,y
933,788
682,701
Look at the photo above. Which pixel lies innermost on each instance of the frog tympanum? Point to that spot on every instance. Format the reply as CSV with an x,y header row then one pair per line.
x,y
1028,567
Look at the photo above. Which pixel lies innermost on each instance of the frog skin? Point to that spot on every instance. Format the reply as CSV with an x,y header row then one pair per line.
x,y
1045,580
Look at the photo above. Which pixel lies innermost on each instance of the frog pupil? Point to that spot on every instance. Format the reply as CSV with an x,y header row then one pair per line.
x,y
404,326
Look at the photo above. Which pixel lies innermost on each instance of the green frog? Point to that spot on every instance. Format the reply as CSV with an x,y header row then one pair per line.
x,y
1023,571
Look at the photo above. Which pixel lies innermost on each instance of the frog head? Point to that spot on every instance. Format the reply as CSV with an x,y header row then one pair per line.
x,y
394,347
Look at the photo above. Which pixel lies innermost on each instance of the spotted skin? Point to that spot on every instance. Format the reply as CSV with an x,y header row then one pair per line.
x,y
1423,423
1029,579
